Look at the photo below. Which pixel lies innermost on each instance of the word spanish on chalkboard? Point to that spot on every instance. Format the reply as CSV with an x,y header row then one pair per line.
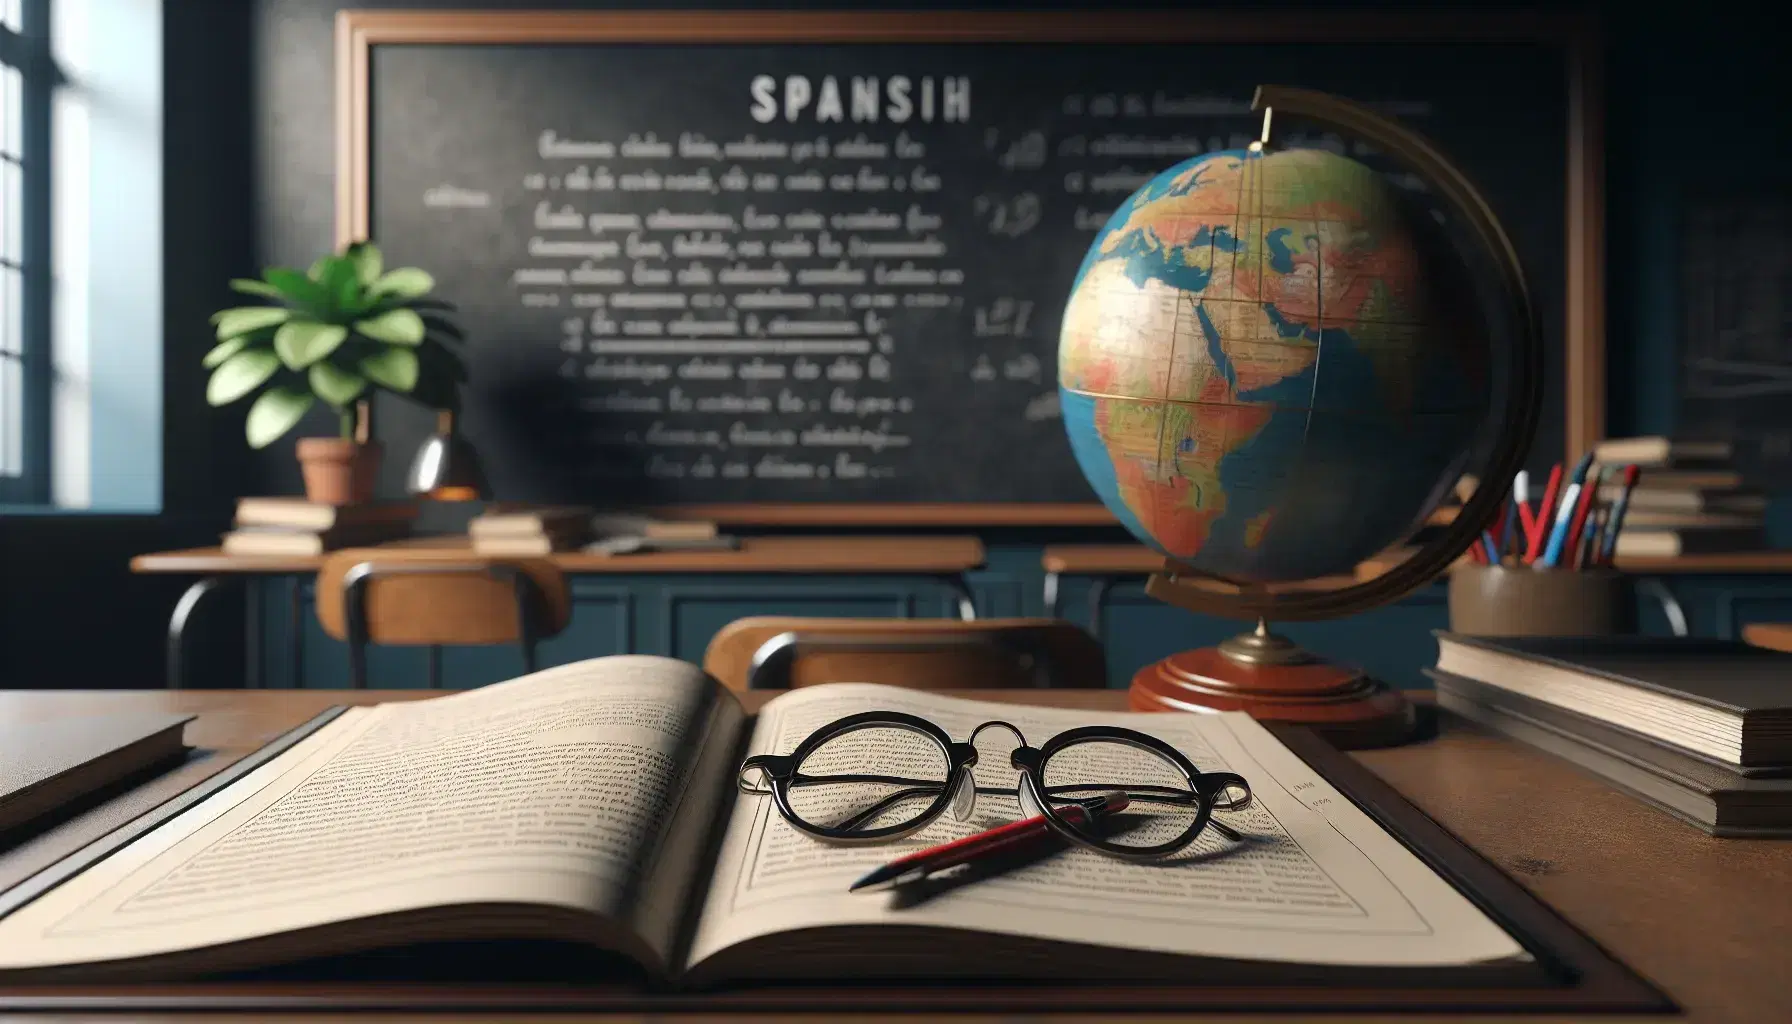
x,y
810,267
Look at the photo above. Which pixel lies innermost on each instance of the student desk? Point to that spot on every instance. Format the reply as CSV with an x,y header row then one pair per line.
x,y
945,558
1702,918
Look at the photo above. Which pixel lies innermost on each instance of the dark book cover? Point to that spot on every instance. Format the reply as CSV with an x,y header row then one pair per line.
x,y
1717,801
45,766
1729,675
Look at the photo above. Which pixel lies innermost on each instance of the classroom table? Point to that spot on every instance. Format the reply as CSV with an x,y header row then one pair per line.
x,y
1704,919
945,558
1108,564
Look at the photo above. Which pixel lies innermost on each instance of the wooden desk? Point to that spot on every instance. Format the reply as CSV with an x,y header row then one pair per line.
x,y
946,559
1109,563
1703,918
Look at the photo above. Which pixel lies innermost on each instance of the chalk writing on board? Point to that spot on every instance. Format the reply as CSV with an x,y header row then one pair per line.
x,y
839,280
734,325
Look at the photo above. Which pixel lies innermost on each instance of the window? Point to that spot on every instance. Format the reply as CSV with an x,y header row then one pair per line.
x,y
26,79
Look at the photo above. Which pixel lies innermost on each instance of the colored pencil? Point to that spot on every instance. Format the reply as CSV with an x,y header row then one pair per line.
x,y
1521,500
1545,511
1568,513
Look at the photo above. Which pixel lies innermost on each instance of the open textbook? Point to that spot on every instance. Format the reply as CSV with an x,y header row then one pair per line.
x,y
595,803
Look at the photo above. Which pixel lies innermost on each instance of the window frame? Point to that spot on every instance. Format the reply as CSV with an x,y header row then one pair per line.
x,y
28,50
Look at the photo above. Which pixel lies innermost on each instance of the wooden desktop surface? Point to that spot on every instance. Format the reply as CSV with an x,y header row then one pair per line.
x,y
1136,559
1705,919
912,555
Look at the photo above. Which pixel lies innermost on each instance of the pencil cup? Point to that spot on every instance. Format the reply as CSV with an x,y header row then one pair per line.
x,y
1494,600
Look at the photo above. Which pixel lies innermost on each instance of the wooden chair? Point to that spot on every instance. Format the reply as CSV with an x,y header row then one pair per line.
x,y
437,598
778,652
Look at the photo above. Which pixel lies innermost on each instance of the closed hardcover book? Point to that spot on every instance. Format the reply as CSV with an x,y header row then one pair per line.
x,y
1730,501
1661,451
48,766
1689,479
299,514
1688,540
620,524
276,541
505,521
1719,800
527,546
1647,519
1724,699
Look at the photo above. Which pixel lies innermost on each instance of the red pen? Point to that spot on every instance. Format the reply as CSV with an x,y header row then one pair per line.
x,y
1546,514
1577,524
1005,839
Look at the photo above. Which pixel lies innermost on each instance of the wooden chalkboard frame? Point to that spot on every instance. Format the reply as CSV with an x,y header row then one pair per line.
x,y
359,31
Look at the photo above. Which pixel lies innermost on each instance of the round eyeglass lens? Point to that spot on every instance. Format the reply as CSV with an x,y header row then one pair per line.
x,y
871,778
1161,806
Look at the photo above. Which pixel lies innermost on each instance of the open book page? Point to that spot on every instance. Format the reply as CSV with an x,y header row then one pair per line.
x,y
561,789
1316,881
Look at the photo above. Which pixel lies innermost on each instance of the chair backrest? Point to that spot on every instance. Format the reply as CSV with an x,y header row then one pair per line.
x,y
427,597
778,652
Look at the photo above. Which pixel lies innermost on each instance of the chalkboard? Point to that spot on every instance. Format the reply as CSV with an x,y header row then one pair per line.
x,y
1736,346
811,267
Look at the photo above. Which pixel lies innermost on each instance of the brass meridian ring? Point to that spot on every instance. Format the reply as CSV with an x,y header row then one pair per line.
x,y
1522,408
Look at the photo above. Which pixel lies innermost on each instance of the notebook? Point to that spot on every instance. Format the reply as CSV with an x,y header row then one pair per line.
x,y
1723,699
1721,801
596,803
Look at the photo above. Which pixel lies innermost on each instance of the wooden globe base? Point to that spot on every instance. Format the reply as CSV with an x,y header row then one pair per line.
x,y
1273,679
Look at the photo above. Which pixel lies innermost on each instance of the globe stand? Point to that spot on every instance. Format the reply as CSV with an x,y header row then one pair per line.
x,y
1275,679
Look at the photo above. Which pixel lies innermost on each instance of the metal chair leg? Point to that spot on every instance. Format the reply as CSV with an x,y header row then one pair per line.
x,y
967,602
177,628
1098,593
1670,605
435,667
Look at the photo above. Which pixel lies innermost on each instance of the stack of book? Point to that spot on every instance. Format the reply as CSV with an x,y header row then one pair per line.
x,y
1688,498
1701,729
294,526
529,532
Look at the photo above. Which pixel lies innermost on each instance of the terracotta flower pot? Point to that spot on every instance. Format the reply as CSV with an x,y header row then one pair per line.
x,y
339,470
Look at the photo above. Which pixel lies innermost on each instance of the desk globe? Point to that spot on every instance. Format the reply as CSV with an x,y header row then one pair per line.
x,y
1273,366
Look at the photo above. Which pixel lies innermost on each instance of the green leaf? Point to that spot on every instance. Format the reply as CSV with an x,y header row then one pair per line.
x,y
224,350
320,267
250,286
341,284
296,287
394,327
278,410
243,319
404,283
301,343
394,368
240,374
336,385
367,260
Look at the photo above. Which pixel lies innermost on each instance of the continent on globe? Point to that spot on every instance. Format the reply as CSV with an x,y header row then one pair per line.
x,y
1269,367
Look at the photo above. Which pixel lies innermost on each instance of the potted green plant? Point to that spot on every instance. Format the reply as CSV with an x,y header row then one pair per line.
x,y
336,334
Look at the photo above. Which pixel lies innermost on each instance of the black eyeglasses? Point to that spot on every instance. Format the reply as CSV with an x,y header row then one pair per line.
x,y
822,788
